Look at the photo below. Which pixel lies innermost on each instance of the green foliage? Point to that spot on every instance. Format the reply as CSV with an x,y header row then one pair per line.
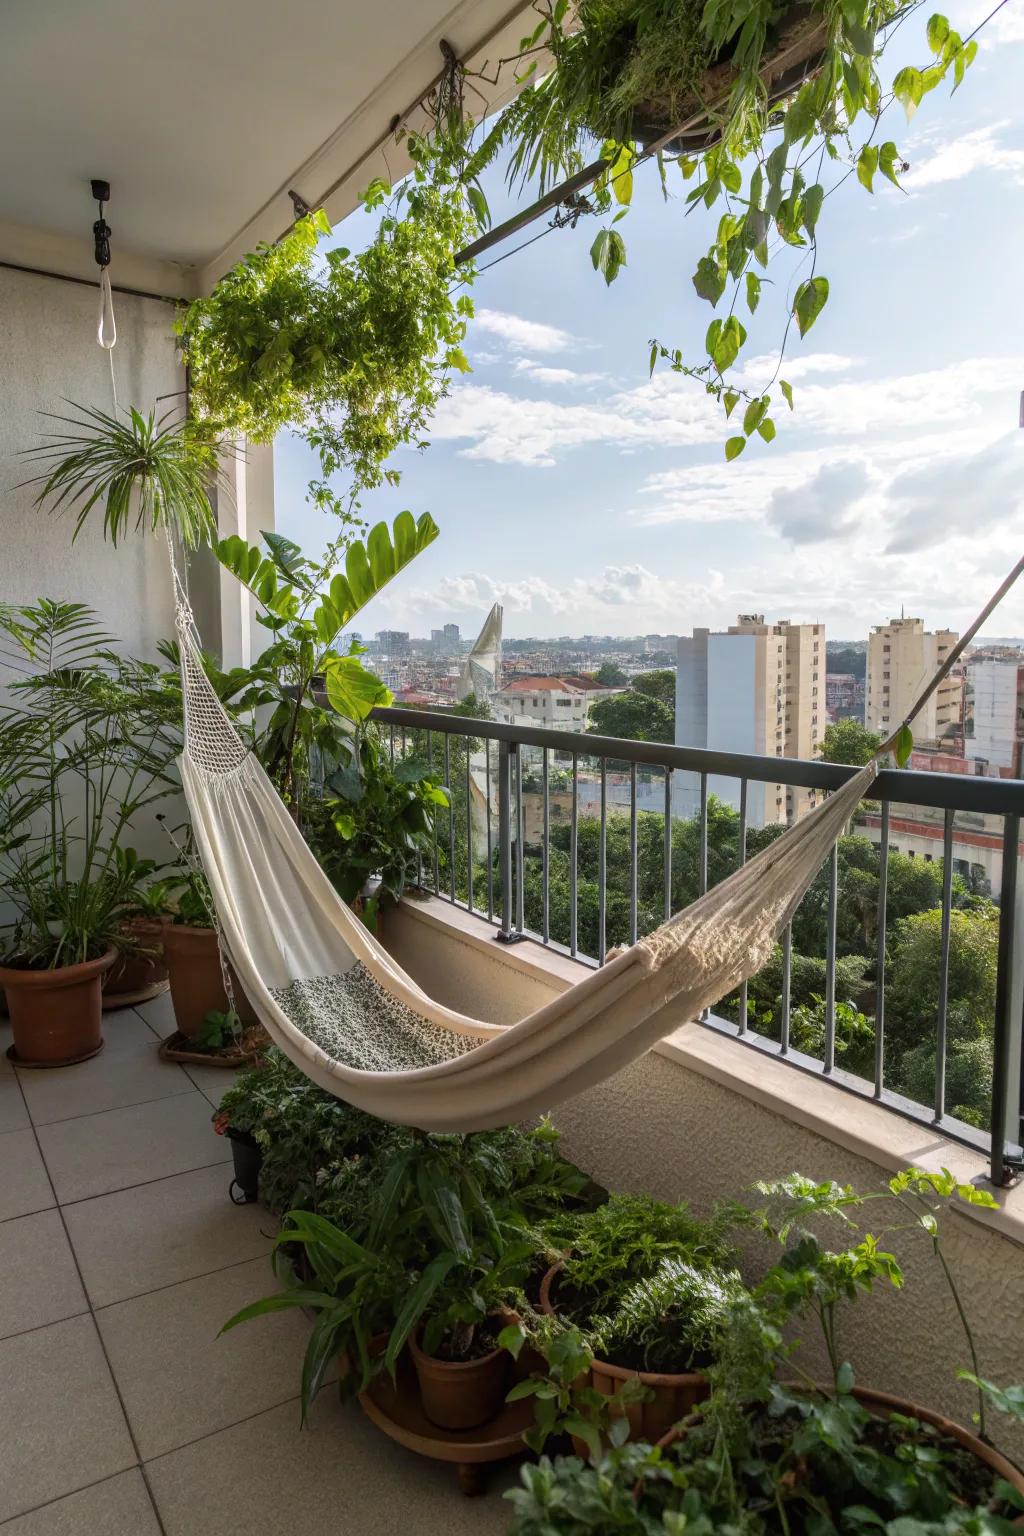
x,y
217,1030
159,472
610,675
636,715
847,741
352,351
565,1404
88,742
660,684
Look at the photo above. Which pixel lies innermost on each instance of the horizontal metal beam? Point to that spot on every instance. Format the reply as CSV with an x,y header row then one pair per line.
x,y
943,791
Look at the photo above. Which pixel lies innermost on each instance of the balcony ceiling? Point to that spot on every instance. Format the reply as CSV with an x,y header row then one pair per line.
x,y
203,113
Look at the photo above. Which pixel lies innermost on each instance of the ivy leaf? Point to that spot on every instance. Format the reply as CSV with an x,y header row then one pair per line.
x,y
687,164
766,429
755,414
802,114
867,165
709,280
729,400
654,359
608,253
620,175
811,207
753,291
787,392
937,33
903,746
862,39
810,300
731,176
908,88
734,447
478,203
888,160
723,341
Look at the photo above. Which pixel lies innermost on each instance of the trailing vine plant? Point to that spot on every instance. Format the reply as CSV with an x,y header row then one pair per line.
x,y
762,107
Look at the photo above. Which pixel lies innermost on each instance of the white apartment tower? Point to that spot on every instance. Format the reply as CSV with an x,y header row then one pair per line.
x,y
902,655
998,686
754,688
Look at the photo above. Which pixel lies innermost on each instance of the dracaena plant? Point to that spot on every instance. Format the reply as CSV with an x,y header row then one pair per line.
x,y
306,605
763,143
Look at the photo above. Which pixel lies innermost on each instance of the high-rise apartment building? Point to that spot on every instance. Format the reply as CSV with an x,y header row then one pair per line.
x,y
997,683
451,636
756,688
902,656
394,642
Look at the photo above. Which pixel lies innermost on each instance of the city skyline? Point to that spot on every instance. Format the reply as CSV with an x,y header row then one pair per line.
x,y
587,497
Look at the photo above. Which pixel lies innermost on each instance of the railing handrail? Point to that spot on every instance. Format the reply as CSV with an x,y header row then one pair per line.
x,y
943,791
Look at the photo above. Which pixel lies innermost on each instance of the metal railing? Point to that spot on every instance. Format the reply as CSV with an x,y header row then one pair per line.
x,y
489,876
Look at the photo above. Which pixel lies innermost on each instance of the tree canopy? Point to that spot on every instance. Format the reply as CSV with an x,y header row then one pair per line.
x,y
637,716
847,741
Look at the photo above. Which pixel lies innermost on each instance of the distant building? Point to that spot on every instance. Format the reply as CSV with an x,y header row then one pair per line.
x,y
393,642
437,639
451,636
997,685
902,656
755,688
844,696
557,703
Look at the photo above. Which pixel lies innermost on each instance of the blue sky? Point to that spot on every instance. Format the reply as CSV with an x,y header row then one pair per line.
x,y
588,498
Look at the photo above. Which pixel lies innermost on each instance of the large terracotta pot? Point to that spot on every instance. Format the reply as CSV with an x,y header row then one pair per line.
x,y
137,971
672,1396
56,1016
192,958
883,1405
461,1394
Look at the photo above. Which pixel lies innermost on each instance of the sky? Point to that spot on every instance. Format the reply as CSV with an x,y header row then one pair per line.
x,y
589,498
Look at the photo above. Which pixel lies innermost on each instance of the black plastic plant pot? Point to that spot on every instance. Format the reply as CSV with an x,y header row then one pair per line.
x,y
248,1159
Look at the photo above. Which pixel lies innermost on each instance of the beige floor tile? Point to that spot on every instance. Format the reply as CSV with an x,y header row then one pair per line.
x,y
205,1382
180,1227
118,1507
39,1282
214,1082
61,1425
266,1477
24,1186
96,1154
158,1014
13,1114
127,1071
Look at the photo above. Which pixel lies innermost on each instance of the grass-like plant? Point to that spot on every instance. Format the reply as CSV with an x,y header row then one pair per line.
x,y
146,472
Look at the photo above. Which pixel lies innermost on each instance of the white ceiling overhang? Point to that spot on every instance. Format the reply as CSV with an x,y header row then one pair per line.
x,y
204,114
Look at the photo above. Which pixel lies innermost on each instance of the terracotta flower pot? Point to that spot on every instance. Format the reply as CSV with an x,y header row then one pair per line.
x,y
197,985
56,1016
137,970
672,1397
461,1394
882,1405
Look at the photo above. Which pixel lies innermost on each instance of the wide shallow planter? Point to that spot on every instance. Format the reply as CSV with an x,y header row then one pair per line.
x,y
461,1394
247,1156
671,1396
883,1405
192,957
137,973
56,1016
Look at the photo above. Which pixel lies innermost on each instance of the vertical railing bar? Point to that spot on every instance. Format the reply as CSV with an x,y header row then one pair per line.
x,y
668,844
943,1009
520,890
702,868
451,815
469,827
403,742
391,734
743,859
433,821
505,751
574,857
829,1054
787,984
1006,1035
546,850
883,889
602,869
632,853
490,834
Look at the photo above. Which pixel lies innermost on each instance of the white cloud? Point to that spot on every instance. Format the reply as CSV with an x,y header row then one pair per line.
x,y
822,506
1006,26
523,335
546,375
977,150
794,368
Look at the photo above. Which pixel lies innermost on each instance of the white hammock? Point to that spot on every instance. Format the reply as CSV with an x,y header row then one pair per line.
x,y
339,1007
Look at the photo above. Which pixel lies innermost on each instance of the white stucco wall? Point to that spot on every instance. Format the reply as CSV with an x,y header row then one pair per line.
x,y
49,355
702,1117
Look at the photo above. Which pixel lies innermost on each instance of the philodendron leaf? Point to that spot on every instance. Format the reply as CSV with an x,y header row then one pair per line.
x,y
352,690
810,300
903,746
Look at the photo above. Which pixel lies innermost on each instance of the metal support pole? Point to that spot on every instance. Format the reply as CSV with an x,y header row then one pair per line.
x,y
1006,1044
507,750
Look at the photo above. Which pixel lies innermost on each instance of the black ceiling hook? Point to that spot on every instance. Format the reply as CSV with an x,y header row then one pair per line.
x,y
101,230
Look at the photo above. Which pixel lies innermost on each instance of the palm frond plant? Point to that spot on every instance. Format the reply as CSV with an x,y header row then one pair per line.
x,y
144,472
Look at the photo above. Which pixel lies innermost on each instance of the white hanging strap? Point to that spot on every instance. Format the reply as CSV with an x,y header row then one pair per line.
x,y
106,328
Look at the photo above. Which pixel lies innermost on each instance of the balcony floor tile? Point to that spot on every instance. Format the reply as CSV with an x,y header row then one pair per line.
x,y
178,1379
127,1071
120,1506
13,1114
181,1227
97,1154
24,1186
214,1082
40,1281
340,1474
158,1015
61,1426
